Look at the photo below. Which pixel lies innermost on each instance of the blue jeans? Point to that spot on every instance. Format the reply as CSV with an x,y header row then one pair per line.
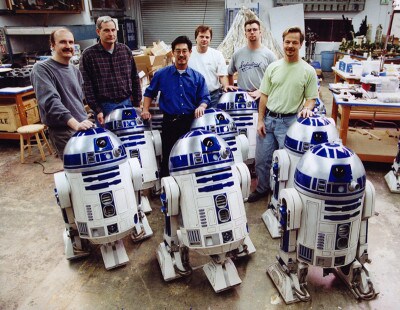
x,y
215,95
276,129
109,106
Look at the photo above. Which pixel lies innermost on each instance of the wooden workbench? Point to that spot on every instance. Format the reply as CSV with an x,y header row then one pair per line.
x,y
367,148
15,96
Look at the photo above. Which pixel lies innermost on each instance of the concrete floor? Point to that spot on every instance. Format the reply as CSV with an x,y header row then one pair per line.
x,y
34,273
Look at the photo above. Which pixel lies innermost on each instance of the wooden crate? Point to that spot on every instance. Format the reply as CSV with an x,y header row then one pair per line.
x,y
9,118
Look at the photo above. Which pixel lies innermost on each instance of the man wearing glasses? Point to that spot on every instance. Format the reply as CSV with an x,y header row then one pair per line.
x,y
109,72
251,61
183,97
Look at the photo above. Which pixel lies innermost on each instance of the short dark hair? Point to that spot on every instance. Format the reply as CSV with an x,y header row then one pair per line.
x,y
52,38
293,30
252,21
182,40
202,28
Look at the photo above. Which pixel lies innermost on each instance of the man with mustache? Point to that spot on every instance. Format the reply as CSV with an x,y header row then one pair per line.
x,y
109,72
57,85
251,61
183,96
288,84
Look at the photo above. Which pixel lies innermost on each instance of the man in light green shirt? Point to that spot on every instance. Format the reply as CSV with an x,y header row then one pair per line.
x,y
288,84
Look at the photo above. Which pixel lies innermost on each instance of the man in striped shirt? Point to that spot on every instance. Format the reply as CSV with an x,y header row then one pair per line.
x,y
109,72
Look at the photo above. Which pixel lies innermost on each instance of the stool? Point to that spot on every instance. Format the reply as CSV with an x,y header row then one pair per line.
x,y
29,131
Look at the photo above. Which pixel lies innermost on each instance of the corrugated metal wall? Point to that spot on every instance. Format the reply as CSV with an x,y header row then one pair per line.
x,y
165,20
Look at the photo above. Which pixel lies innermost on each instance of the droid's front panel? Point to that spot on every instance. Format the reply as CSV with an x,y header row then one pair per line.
x,y
140,146
329,231
104,203
213,214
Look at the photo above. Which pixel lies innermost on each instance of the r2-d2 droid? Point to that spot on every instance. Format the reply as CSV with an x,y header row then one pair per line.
x,y
325,223
96,193
300,137
221,123
393,176
204,210
140,142
244,111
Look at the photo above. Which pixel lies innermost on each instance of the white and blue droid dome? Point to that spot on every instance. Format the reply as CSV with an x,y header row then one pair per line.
x,y
330,171
199,150
217,121
93,149
126,121
305,133
237,102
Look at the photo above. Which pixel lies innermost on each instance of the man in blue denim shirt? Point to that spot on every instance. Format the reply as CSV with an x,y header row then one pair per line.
x,y
183,96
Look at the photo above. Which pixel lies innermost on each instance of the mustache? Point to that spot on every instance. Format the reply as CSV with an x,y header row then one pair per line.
x,y
68,50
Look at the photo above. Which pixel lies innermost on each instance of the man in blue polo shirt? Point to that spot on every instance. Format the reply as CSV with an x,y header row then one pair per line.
x,y
183,96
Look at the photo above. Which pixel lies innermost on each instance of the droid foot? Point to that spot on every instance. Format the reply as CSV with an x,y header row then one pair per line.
x,y
173,264
114,254
222,276
142,230
272,223
393,182
356,277
288,284
145,204
74,247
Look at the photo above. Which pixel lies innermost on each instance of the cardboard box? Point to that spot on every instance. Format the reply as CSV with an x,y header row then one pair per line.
x,y
160,48
9,118
149,64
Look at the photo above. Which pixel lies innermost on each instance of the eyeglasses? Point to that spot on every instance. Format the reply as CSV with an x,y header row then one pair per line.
x,y
252,29
184,51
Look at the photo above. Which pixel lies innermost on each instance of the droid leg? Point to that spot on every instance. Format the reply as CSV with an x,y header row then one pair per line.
x,y
74,246
114,254
142,230
270,220
289,278
245,249
393,178
279,177
288,274
222,273
143,202
172,256
173,261
356,277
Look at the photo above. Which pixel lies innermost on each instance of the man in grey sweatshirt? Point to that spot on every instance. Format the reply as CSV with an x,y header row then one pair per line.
x,y
58,88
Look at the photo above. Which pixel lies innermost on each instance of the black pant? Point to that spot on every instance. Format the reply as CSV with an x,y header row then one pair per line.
x,y
173,127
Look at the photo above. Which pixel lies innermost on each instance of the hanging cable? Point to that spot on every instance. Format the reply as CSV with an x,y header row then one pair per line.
x,y
205,11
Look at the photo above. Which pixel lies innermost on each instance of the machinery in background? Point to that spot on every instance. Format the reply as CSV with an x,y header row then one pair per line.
x,y
140,142
300,137
204,211
244,111
96,193
324,220
221,123
393,176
